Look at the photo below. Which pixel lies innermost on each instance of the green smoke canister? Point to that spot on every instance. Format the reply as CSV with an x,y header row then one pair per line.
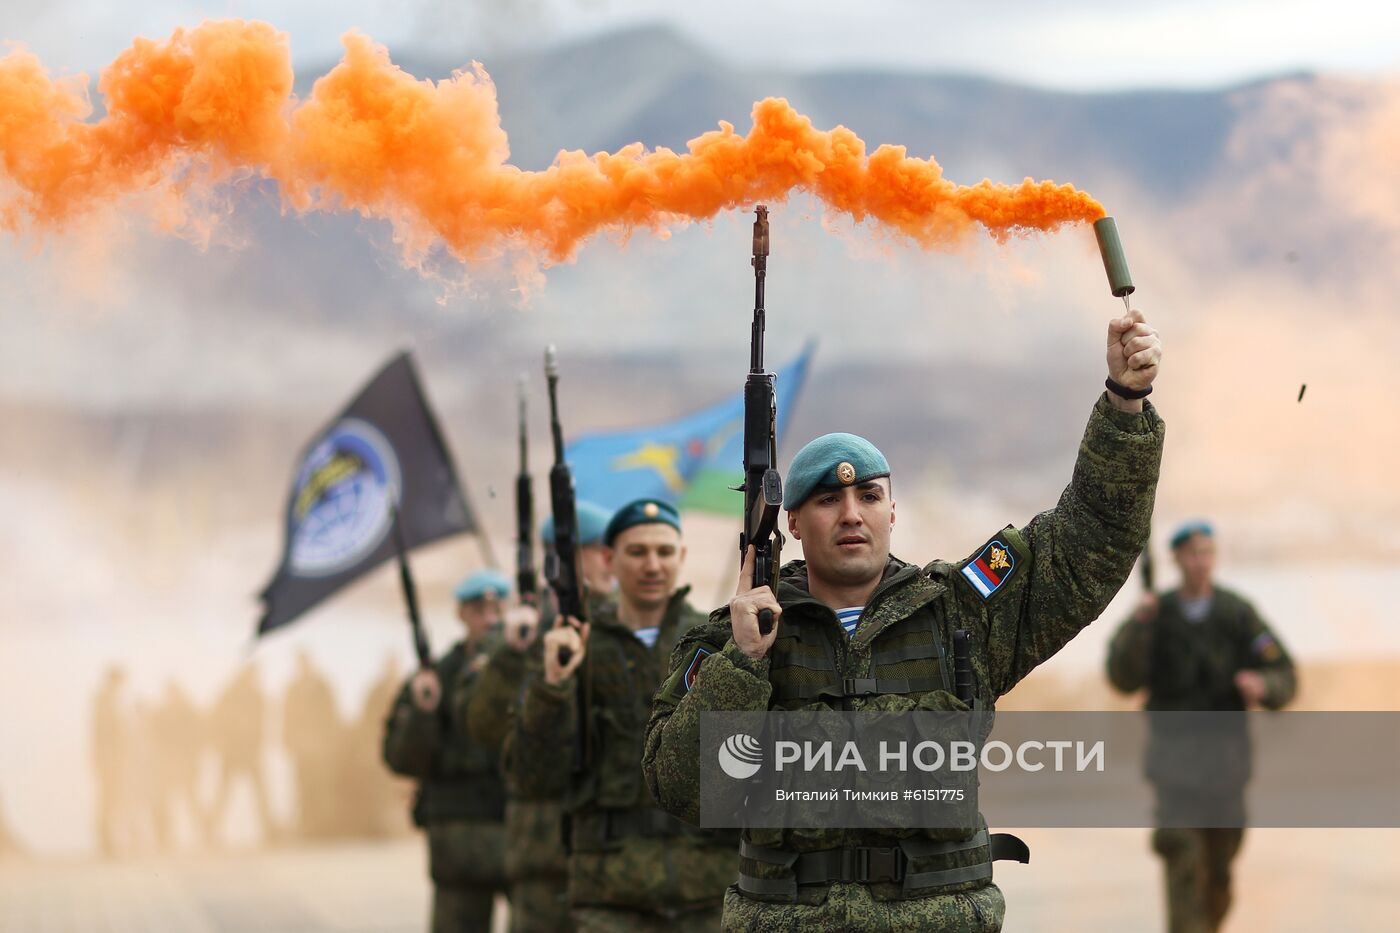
x,y
1120,281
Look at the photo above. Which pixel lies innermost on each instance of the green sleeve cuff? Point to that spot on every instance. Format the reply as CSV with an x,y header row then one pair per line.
x,y
545,704
1128,422
735,655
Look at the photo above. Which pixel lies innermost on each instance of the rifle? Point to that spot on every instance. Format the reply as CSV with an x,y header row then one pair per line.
x,y
563,573
526,582
763,487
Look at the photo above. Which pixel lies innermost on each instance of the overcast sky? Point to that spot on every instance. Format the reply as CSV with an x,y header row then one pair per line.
x,y
1075,44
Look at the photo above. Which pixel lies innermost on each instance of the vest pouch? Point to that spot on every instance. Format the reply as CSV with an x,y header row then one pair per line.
x,y
617,757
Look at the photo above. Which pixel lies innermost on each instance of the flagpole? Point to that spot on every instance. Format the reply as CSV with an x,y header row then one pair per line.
x,y
410,591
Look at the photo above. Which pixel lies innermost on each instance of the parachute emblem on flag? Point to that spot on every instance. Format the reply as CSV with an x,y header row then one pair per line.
x,y
341,499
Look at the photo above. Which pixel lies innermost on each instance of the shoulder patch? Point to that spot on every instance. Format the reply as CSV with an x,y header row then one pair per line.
x,y
1265,648
693,669
684,673
989,569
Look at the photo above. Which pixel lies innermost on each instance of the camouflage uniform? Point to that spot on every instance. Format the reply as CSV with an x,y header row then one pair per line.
x,y
631,866
536,863
460,799
1066,566
1189,665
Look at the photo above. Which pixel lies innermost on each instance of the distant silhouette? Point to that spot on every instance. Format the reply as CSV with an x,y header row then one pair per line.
x,y
315,737
110,762
9,845
236,728
375,798
179,737
141,793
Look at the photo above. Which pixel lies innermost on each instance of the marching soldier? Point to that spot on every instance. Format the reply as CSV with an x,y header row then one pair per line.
x,y
460,800
858,629
1200,647
579,734
537,865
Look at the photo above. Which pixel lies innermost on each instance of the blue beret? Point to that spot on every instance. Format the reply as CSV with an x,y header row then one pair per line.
x,y
592,522
641,512
480,583
1183,533
832,461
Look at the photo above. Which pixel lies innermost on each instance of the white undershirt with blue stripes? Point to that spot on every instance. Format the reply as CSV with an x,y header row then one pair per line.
x,y
848,618
648,635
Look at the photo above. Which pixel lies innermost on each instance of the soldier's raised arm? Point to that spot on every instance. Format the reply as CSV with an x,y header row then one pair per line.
x,y
1041,584
412,734
487,712
546,729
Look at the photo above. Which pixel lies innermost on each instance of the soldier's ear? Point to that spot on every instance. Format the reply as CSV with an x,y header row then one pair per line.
x,y
891,513
792,526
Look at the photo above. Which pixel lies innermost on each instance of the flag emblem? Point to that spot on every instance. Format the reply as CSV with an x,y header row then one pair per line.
x,y
991,568
341,499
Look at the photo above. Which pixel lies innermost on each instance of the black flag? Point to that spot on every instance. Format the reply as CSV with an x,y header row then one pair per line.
x,y
340,515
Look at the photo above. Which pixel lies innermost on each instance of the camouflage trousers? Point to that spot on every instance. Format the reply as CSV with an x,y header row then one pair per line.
x,y
617,920
540,905
1198,876
462,909
851,907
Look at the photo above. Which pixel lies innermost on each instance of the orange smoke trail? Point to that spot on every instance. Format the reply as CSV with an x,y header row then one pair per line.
x,y
432,158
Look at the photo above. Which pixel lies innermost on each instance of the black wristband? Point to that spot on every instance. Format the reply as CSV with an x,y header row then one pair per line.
x,y
1124,392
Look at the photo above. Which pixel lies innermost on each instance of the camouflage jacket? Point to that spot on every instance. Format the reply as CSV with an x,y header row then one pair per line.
x,y
625,853
1191,666
488,712
458,779
534,824
1021,603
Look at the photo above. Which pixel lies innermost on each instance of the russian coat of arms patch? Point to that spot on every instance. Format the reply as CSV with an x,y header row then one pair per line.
x,y
991,568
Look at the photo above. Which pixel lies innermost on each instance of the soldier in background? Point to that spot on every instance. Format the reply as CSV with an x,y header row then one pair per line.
x,y
145,791
236,726
537,865
314,736
593,565
110,739
1200,647
460,800
178,731
579,734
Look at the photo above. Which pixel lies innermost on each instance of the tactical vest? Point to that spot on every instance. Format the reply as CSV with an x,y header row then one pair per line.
x,y
1193,668
1194,663
607,800
815,665
810,660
